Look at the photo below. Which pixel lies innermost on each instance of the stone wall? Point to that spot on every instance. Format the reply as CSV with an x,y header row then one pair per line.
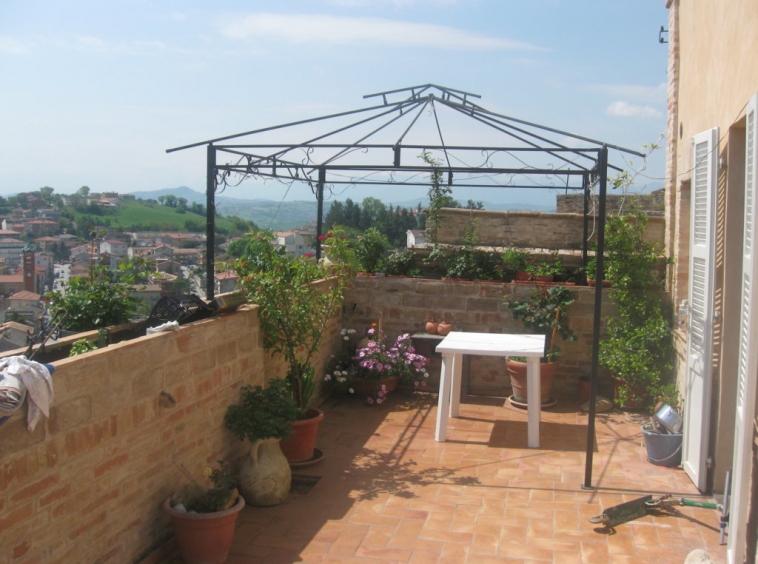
x,y
535,230
86,485
652,203
406,304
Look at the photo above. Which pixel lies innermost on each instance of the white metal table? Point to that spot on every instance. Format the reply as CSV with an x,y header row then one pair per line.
x,y
457,344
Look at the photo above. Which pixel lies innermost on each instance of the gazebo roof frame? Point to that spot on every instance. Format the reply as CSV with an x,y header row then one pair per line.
x,y
321,164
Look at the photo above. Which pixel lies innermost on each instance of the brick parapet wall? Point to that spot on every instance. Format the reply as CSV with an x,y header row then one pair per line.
x,y
534,230
86,485
406,304
652,203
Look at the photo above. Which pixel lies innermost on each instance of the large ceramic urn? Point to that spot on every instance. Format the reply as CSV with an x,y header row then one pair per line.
x,y
265,474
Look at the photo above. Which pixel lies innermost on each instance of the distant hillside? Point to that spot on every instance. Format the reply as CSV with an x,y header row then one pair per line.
x,y
135,215
287,215
266,214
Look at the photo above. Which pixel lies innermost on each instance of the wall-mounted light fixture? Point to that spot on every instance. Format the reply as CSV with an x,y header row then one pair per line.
x,y
660,35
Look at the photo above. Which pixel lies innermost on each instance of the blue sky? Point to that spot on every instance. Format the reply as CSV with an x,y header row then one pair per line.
x,y
94,92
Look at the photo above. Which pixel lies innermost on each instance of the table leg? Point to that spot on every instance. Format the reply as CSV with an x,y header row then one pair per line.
x,y
534,401
455,387
443,403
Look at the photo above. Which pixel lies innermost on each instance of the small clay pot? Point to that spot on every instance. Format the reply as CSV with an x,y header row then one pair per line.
x,y
443,328
431,326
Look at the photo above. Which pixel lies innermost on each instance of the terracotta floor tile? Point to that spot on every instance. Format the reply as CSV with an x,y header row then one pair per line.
x,y
388,492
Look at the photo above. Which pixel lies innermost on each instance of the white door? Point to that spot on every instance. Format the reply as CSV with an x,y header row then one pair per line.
x,y
748,355
697,391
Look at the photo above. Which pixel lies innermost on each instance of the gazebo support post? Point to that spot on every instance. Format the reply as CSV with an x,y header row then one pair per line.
x,y
320,212
602,169
210,222
585,227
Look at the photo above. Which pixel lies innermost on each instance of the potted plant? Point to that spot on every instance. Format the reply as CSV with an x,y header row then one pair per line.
x,y
591,271
204,518
638,348
376,369
369,250
514,263
401,263
263,417
294,314
545,312
463,262
544,271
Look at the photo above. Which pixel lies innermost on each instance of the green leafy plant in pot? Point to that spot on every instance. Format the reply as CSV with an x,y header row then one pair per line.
x,y
263,417
638,349
370,248
545,312
514,264
297,299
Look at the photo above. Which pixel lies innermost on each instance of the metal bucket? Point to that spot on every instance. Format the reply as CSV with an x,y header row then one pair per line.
x,y
663,449
668,418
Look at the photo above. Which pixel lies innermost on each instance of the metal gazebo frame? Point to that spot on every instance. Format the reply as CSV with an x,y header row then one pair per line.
x,y
326,160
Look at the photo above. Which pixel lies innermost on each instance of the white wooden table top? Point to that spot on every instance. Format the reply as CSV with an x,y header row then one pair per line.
x,y
492,344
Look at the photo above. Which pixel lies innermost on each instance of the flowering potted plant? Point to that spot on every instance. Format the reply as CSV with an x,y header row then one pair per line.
x,y
376,368
204,518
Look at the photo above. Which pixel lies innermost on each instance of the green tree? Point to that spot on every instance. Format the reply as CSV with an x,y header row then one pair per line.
x,y
95,301
46,193
335,215
136,270
373,213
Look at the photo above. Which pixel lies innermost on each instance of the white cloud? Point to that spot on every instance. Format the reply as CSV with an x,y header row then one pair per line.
x,y
301,28
138,47
12,46
641,93
625,109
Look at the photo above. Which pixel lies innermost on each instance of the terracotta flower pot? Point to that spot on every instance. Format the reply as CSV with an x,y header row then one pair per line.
x,y
584,389
635,399
204,538
431,326
517,372
522,276
369,388
443,328
302,445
